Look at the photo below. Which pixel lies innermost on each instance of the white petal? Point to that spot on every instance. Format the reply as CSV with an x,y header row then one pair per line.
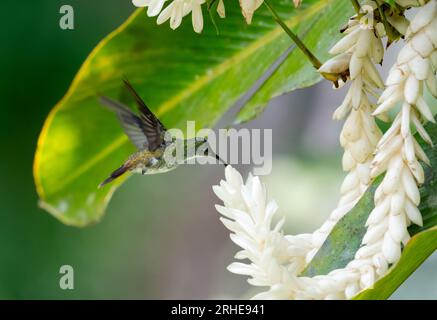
x,y
397,227
372,73
140,3
337,64
166,13
363,43
410,186
431,84
424,16
420,153
368,251
197,18
221,9
409,151
379,212
377,50
392,178
430,32
397,201
387,104
413,213
405,120
177,14
424,109
155,7
422,44
350,182
355,66
406,54
241,268
411,89
367,278
348,161
417,171
420,67
391,249
420,129
375,232
346,42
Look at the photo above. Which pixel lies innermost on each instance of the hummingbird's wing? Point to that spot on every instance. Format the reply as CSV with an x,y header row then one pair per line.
x,y
150,124
144,130
130,122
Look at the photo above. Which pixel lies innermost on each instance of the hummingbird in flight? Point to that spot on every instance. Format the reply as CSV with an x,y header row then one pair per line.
x,y
147,133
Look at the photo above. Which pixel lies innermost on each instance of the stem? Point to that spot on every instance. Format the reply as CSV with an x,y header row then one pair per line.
x,y
314,61
356,5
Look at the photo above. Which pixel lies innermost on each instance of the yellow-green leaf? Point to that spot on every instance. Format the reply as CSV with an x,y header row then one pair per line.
x,y
182,76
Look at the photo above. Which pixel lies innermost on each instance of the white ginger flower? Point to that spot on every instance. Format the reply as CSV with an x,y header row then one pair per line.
x,y
357,52
175,11
398,153
248,215
178,9
276,260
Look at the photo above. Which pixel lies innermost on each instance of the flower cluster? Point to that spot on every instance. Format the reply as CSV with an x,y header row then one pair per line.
x,y
175,11
398,152
178,9
355,56
249,216
276,259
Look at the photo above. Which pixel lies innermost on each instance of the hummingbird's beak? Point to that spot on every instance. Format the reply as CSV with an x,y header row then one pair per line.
x,y
220,160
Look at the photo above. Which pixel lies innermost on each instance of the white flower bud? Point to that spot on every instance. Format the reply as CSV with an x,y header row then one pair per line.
x,y
424,109
420,67
337,64
430,32
355,66
360,150
431,84
397,202
422,44
424,16
367,277
420,129
407,53
411,89
391,249
350,182
379,212
397,227
410,186
413,213
420,153
351,290
346,42
375,232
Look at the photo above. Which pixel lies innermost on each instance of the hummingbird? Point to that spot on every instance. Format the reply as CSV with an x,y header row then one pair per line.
x,y
147,133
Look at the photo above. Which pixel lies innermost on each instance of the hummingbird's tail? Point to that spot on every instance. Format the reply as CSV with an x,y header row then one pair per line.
x,y
115,175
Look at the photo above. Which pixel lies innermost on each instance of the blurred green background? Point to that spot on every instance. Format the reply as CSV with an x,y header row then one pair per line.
x,y
161,237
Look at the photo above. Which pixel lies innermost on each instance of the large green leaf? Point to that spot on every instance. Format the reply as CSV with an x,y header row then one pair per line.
x,y
182,76
345,238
